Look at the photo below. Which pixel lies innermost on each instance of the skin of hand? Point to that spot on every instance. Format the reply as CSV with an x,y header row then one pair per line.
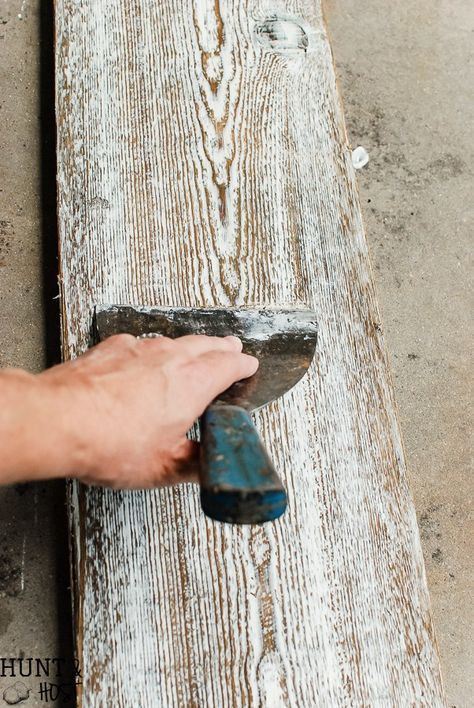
x,y
118,415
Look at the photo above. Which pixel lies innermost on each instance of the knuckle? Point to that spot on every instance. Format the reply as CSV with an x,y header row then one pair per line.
x,y
122,340
158,342
165,343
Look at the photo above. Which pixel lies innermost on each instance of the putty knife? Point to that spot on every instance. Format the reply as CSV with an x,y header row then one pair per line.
x,y
239,483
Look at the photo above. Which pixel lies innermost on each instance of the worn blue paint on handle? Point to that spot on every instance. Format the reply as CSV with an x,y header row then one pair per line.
x,y
239,483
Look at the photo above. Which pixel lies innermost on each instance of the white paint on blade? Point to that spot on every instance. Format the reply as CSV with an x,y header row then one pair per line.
x,y
258,326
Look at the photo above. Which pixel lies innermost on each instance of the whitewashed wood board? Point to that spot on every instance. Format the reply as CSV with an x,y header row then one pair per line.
x,y
203,160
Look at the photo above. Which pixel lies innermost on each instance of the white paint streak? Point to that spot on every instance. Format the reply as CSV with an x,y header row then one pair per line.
x,y
199,166
35,506
22,568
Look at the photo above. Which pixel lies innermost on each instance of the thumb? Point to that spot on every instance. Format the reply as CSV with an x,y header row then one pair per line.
x,y
182,464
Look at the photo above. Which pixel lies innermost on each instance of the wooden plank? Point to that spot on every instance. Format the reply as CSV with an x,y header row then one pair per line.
x,y
203,160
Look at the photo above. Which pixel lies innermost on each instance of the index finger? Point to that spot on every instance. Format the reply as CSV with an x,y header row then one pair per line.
x,y
192,345
197,344
213,372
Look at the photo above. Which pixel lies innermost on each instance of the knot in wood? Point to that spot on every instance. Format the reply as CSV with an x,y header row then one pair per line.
x,y
281,35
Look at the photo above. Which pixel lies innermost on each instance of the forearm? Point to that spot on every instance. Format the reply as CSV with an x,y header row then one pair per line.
x,y
34,440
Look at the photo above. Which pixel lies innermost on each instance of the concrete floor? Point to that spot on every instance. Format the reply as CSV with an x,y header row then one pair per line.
x,y
404,72
34,600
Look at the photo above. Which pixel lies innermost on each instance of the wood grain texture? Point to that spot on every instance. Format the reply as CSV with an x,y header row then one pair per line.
x,y
203,160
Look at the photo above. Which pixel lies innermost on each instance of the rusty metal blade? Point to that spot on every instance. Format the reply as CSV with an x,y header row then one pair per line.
x,y
284,340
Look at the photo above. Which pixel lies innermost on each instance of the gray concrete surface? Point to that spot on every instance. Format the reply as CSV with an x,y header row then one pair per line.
x,y
405,70
34,602
406,73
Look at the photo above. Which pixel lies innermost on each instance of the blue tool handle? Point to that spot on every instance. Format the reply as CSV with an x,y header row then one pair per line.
x,y
239,483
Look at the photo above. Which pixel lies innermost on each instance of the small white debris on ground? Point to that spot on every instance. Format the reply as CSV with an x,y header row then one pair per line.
x,y
360,157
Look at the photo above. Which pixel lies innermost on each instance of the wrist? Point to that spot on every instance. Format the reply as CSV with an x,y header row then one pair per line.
x,y
36,436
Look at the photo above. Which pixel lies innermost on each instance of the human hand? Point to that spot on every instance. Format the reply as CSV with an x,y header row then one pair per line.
x,y
125,406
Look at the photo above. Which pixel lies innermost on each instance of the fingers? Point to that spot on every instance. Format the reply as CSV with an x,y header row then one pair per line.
x,y
197,344
192,345
189,346
183,463
213,372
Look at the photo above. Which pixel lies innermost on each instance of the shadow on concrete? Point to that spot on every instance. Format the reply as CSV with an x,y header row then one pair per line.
x,y
48,185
